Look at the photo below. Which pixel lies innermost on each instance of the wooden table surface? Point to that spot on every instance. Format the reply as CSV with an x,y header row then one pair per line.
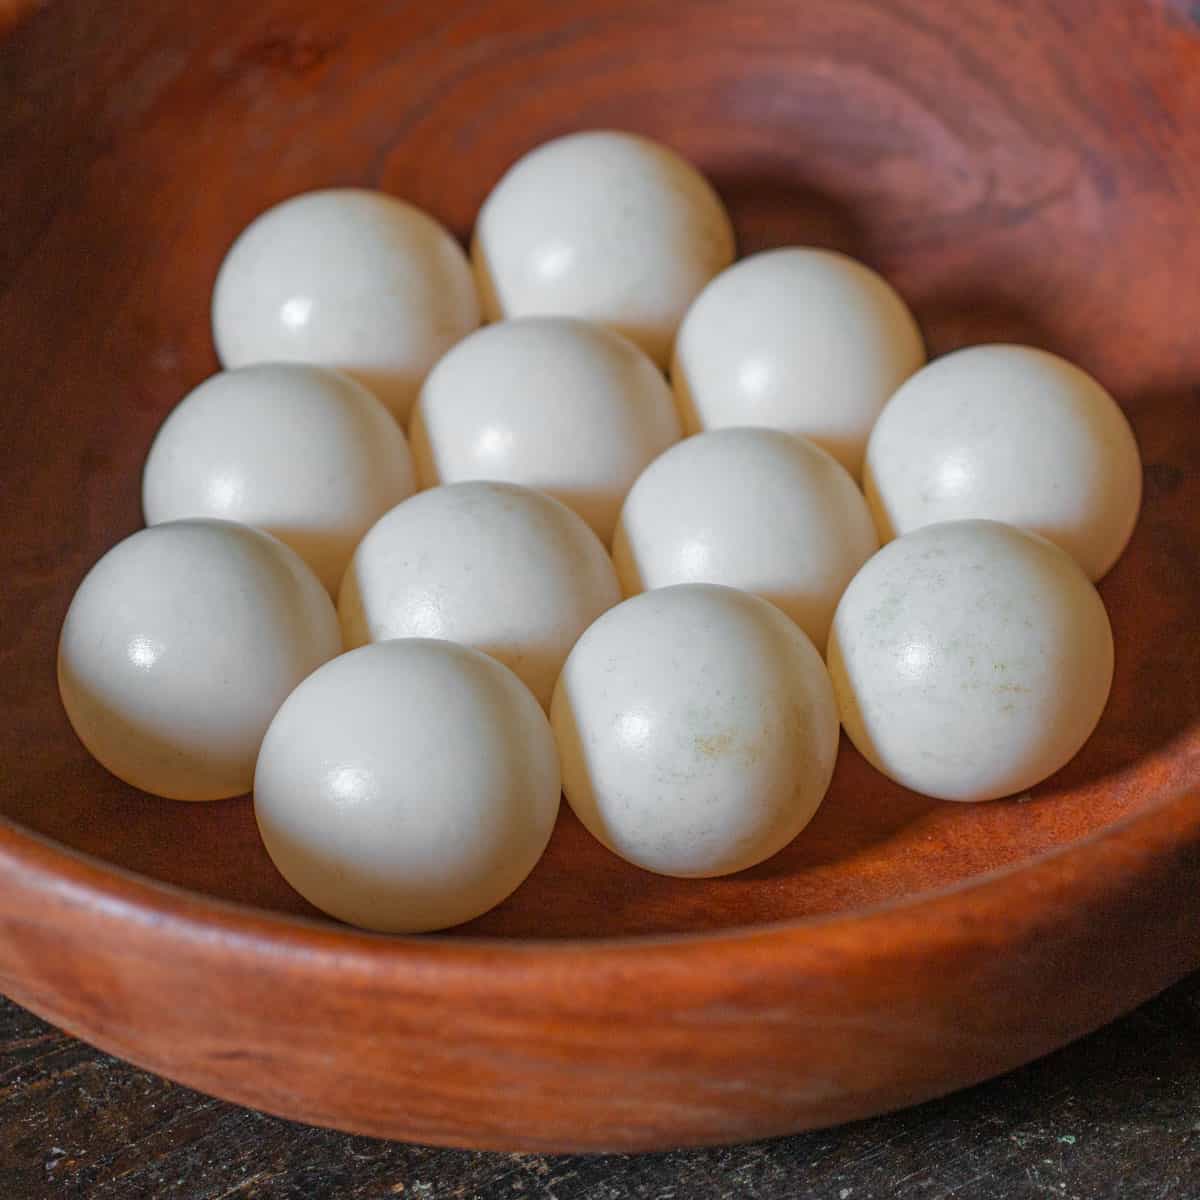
x,y
1114,1116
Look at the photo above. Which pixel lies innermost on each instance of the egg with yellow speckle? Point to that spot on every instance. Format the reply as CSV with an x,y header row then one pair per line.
x,y
697,730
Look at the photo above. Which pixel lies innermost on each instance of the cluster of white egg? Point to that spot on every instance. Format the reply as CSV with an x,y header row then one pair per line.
x,y
406,774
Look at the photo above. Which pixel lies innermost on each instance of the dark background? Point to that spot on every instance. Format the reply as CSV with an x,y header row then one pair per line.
x,y
1114,1116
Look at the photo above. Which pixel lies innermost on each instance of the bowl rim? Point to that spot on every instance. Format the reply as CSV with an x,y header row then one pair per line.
x,y
1088,868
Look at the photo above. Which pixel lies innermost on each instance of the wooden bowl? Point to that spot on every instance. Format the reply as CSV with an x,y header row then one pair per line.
x,y
1020,171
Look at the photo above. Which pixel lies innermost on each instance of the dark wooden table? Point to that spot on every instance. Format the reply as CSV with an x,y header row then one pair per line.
x,y
1115,1116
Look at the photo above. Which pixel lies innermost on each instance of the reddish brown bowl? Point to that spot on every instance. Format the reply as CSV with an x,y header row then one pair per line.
x,y
1021,171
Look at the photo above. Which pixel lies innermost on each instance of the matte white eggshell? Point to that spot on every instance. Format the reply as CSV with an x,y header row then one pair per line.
x,y
697,730
180,645
1012,434
306,453
804,340
407,786
553,403
607,226
503,568
346,278
750,508
971,660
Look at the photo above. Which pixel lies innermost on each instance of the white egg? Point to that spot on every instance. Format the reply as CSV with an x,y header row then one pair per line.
x,y
971,660
407,786
553,403
502,568
345,278
803,340
1012,434
750,508
606,226
697,730
303,452
180,645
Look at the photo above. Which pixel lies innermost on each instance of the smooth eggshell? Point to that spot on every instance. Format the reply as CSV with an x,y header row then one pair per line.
x,y
407,786
750,508
804,340
971,660
558,404
505,569
345,278
1012,434
697,730
306,453
603,225
180,645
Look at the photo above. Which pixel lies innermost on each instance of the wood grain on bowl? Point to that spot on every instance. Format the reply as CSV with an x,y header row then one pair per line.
x,y
1021,171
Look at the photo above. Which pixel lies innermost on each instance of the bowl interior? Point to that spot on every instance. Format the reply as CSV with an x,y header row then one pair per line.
x,y
1019,176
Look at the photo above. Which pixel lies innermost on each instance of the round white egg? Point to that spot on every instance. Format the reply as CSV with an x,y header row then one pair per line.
x,y
345,278
602,225
502,568
180,645
1012,434
754,509
553,403
971,660
306,453
407,786
807,341
697,730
